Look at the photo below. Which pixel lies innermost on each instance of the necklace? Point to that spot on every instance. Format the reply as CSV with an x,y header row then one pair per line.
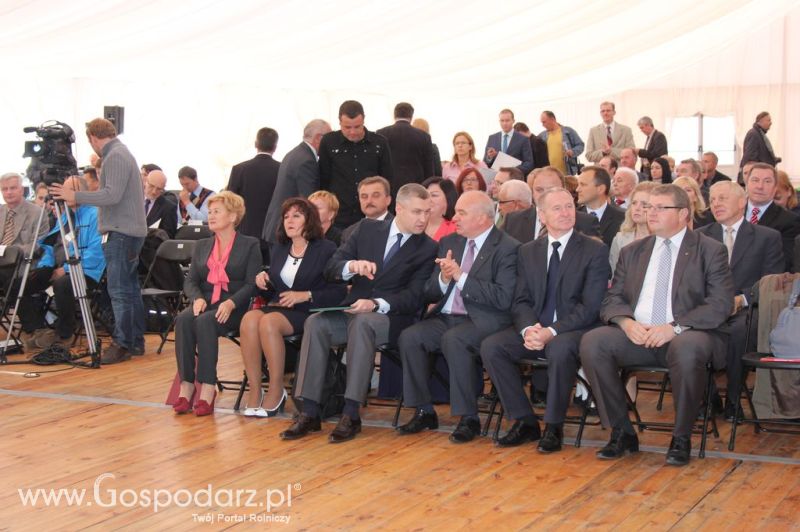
x,y
296,257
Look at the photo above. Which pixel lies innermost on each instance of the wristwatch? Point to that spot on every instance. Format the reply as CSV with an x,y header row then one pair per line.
x,y
678,329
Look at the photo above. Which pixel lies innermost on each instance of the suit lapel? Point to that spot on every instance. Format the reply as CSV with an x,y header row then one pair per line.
x,y
743,242
278,259
540,281
570,252
684,255
486,251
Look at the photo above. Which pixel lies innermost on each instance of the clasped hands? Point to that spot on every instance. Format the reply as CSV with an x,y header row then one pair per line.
x,y
223,310
536,337
650,336
449,267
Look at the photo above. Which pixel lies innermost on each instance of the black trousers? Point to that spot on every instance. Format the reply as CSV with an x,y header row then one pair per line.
x,y
199,335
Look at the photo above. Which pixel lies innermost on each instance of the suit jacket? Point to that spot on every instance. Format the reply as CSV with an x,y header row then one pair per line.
x,y
298,175
756,253
254,180
754,148
539,150
165,212
622,137
787,224
489,289
400,284
521,225
412,153
27,214
345,234
310,275
518,146
244,263
612,219
582,282
702,285
656,148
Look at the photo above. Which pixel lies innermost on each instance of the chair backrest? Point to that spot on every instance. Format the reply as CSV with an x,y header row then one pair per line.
x,y
192,232
176,250
772,293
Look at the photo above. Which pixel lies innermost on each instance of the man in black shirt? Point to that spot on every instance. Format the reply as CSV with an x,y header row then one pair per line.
x,y
349,155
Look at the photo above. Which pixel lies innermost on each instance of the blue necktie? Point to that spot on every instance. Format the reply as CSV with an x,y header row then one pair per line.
x,y
393,250
504,149
661,294
549,307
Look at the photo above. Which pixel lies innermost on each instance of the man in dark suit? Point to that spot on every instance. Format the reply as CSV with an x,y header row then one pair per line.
x,y
594,189
762,209
255,180
754,251
412,151
298,175
160,208
538,146
551,313
654,146
374,196
473,287
756,146
510,142
524,225
387,264
671,292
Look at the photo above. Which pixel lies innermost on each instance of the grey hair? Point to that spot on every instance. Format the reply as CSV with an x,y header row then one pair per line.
x,y
518,191
547,193
10,175
733,187
630,172
314,127
645,121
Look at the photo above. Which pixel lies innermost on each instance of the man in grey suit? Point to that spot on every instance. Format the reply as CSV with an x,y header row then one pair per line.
x,y
551,312
670,294
509,141
19,219
609,137
387,264
473,287
753,252
298,175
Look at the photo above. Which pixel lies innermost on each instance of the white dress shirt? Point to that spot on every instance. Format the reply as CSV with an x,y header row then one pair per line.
x,y
644,307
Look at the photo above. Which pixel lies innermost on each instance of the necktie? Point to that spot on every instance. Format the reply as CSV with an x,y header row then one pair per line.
x,y
505,143
609,140
549,307
619,201
661,294
754,215
647,142
466,266
594,213
192,196
729,242
393,250
542,231
8,229
147,206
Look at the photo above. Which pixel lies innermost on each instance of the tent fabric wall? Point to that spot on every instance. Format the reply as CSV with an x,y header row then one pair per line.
x,y
198,78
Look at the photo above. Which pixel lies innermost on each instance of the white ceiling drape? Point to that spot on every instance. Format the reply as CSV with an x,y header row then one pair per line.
x,y
198,78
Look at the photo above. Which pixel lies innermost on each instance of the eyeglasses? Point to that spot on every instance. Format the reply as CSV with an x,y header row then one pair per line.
x,y
661,208
470,180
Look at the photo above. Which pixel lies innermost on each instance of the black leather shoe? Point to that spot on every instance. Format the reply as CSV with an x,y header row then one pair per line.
x,y
302,425
679,450
345,430
518,434
552,439
422,420
619,444
466,430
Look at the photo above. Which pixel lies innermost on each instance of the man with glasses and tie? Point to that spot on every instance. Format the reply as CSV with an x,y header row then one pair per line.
x,y
387,263
193,198
670,294
510,142
472,288
159,207
609,137
753,252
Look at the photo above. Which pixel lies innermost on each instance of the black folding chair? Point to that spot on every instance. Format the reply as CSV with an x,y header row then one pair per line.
x,y
180,253
193,232
10,264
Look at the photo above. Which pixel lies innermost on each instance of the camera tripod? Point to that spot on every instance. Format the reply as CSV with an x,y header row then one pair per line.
x,y
69,240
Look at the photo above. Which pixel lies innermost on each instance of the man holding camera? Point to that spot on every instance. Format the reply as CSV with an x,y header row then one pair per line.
x,y
121,221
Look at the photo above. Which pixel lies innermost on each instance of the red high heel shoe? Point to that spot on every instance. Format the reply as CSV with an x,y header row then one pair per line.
x,y
182,406
202,408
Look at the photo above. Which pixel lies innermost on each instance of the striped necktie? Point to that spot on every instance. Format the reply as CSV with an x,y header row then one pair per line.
x,y
661,294
8,229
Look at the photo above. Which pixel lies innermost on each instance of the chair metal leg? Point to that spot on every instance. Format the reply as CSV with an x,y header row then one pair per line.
x,y
707,415
736,406
631,403
500,415
664,382
397,410
492,409
239,396
585,411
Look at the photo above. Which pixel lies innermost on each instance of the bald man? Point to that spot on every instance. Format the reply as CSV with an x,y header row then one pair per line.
x,y
159,207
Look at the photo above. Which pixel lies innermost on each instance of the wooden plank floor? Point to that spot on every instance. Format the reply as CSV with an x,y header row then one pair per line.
x,y
67,429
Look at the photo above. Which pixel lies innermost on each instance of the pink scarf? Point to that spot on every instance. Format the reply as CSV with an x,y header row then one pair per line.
x,y
216,269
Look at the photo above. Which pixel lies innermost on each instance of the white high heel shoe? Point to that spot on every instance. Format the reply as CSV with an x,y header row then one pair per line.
x,y
258,411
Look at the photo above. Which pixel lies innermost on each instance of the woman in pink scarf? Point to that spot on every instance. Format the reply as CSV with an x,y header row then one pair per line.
x,y
220,283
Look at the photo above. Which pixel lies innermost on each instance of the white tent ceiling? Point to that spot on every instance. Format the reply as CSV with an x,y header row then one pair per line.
x,y
219,70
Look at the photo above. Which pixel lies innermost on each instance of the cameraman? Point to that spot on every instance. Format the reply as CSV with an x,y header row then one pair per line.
x,y
121,220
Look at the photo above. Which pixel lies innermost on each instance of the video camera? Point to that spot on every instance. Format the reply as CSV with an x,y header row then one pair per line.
x,y
51,154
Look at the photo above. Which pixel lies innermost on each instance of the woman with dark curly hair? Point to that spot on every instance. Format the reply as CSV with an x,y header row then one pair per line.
x,y
296,284
443,207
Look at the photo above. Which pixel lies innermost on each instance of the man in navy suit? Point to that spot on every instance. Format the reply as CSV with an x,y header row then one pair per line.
x,y
412,150
594,190
551,312
387,263
509,141
473,287
753,252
